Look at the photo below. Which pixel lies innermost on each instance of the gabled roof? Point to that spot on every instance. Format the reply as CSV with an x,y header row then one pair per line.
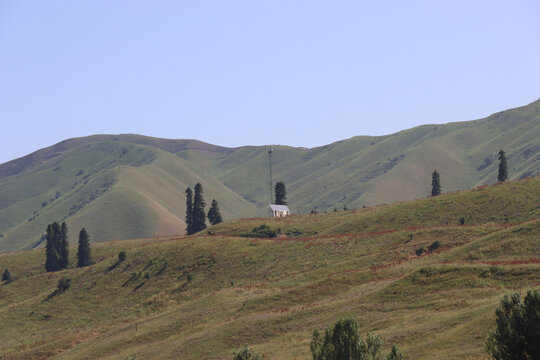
x,y
279,207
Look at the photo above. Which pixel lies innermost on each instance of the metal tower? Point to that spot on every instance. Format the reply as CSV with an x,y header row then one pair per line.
x,y
270,151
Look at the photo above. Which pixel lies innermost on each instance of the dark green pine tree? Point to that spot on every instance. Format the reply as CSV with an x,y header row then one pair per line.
x,y
503,167
189,211
214,215
52,262
199,215
64,246
435,183
6,276
84,257
281,193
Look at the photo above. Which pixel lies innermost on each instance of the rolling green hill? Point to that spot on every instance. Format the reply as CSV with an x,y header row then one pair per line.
x,y
125,186
203,296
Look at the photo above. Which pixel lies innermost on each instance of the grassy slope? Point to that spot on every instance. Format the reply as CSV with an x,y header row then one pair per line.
x,y
148,175
115,190
373,170
272,293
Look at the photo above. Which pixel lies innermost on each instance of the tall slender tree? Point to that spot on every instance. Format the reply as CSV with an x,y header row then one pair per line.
x,y
199,215
84,257
503,167
435,183
281,193
189,211
64,246
214,215
52,262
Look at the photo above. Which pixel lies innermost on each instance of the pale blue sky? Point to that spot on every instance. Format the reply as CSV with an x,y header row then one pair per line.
x,y
232,73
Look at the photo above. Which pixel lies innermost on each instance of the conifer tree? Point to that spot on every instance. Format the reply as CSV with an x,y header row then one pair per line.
x,y
64,246
435,183
214,215
6,276
51,249
199,215
189,211
280,193
503,168
83,254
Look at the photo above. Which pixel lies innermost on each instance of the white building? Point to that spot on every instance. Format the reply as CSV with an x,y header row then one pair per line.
x,y
280,210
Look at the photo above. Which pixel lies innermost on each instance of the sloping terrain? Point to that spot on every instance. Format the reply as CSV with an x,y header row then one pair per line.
x,y
202,296
124,186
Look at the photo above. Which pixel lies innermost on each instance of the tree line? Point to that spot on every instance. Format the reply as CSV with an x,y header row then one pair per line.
x,y
195,213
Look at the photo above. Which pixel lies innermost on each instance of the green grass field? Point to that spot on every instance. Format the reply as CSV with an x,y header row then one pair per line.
x,y
203,296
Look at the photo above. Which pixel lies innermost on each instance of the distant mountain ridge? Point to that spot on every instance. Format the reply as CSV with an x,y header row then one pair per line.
x,y
126,186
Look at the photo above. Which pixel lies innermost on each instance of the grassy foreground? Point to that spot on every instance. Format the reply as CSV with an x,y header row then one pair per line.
x,y
203,296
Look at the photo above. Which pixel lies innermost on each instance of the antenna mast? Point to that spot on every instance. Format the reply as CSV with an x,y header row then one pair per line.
x,y
270,151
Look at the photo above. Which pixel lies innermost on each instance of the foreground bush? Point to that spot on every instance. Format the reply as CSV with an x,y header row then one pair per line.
x,y
246,354
517,334
343,342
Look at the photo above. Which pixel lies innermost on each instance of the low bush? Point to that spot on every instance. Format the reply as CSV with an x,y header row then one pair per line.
x,y
246,353
122,256
434,245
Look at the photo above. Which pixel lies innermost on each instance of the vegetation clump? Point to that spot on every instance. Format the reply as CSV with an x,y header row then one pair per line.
x,y
503,167
214,215
280,193
121,256
56,248
63,284
435,183
434,245
343,342
518,328
84,257
6,276
246,353
261,231
195,215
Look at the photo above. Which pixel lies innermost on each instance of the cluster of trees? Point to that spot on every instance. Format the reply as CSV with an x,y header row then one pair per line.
x,y
501,177
57,248
195,213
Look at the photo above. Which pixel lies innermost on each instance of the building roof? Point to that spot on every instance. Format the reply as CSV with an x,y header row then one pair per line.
x,y
279,207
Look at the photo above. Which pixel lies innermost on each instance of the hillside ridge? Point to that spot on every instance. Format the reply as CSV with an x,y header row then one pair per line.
x,y
69,179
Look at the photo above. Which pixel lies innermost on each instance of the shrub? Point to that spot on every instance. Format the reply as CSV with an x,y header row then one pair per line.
x,y
246,353
518,328
122,256
261,231
189,277
461,221
343,342
434,245
64,284
420,250
6,276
